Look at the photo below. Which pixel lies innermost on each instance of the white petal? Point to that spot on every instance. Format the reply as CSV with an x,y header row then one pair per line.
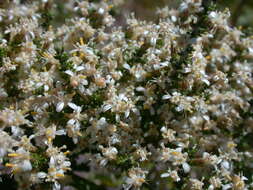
x,y
163,129
41,175
46,88
71,122
225,164
206,81
69,72
127,113
59,106
211,187
213,14
106,107
84,82
73,106
140,89
39,84
56,186
101,11
52,161
67,163
166,97
186,167
165,175
26,165
126,66
79,68
60,132
173,18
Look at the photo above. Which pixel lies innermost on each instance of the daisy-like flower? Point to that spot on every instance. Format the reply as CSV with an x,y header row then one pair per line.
x,y
136,177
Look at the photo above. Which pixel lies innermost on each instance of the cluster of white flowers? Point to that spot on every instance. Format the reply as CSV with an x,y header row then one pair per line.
x,y
166,104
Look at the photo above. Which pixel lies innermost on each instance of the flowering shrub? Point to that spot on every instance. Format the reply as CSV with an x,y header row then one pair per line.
x,y
86,103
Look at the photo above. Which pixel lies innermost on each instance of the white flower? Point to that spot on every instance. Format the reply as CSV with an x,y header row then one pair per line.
x,y
110,152
173,174
136,177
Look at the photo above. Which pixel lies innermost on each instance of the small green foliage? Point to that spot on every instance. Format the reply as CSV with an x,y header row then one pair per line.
x,y
11,87
84,184
110,116
63,58
1,107
96,99
84,124
183,58
114,12
193,149
178,61
203,24
39,91
3,53
15,44
39,160
126,75
159,43
137,56
88,102
125,161
47,18
95,19
38,42
78,99
54,116
128,33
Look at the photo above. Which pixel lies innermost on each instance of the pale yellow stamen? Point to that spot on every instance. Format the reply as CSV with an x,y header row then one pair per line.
x,y
59,175
81,55
9,165
83,76
33,113
141,180
16,170
13,155
12,107
81,41
146,106
141,43
45,54
175,153
51,170
65,169
67,152
78,133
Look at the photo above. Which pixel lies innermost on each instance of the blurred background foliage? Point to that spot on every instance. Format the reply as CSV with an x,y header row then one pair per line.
x,y
241,10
